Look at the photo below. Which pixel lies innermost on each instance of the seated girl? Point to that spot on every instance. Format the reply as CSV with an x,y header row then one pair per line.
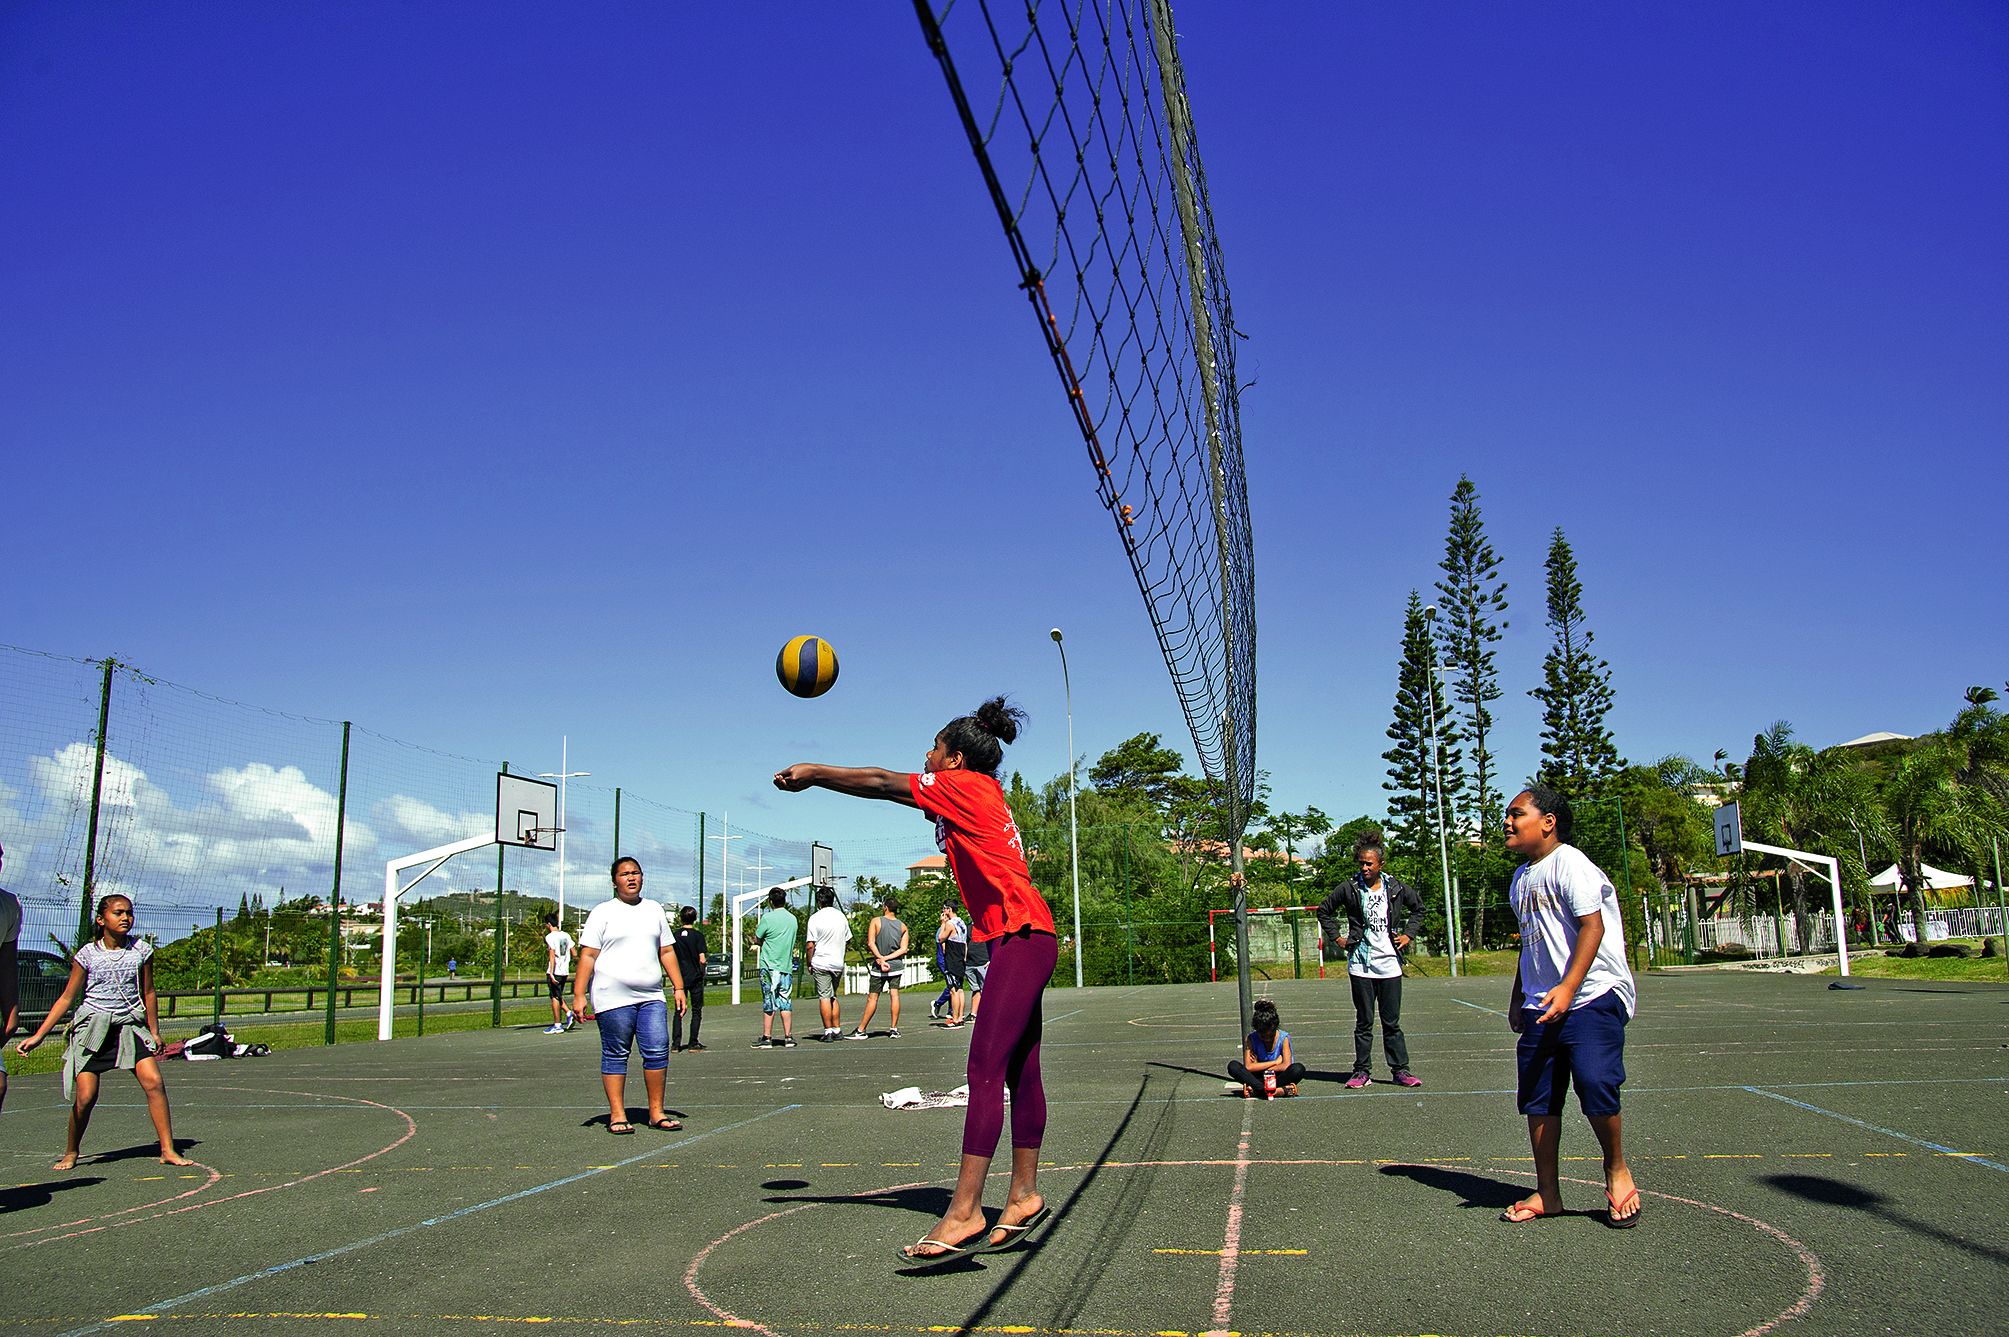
x,y
1267,1050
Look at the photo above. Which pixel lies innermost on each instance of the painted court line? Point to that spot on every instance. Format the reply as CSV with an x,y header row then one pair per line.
x,y
159,1308
1231,1244
1877,1128
1476,1008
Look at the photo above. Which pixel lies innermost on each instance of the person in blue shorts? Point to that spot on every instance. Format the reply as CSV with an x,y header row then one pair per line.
x,y
1572,997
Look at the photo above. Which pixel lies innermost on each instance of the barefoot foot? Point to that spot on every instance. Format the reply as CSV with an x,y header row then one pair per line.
x,y
67,1161
174,1158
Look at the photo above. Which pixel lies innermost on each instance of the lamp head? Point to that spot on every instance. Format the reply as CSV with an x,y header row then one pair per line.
x,y
1055,633
1429,612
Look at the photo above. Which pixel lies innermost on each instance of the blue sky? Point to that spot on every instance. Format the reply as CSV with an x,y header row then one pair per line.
x,y
486,373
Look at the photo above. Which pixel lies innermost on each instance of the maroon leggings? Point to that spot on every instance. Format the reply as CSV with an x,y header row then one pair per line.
x,y
1004,1049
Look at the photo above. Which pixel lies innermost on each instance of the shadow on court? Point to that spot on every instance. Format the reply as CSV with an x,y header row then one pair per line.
x,y
23,1196
1837,1193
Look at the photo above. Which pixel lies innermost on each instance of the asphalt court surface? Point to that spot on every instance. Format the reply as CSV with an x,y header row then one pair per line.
x,y
1812,1161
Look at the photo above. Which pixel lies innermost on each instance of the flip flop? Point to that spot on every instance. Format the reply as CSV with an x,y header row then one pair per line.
x,y
667,1125
622,1129
1520,1214
949,1252
1015,1232
1617,1222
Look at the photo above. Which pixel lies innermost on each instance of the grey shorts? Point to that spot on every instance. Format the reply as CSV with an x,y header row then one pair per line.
x,y
879,983
973,976
826,983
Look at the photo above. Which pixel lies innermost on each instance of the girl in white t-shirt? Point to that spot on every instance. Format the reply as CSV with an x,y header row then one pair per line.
x,y
117,1026
624,951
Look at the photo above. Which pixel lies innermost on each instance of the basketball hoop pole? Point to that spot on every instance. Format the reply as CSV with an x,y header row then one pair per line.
x,y
387,982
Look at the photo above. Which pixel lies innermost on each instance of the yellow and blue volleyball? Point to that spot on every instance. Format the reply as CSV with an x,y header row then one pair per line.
x,y
807,666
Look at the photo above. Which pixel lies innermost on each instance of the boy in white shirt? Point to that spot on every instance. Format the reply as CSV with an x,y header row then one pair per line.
x,y
1572,997
829,934
557,970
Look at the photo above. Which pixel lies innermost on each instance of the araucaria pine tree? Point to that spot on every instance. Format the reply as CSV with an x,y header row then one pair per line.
x,y
1475,605
1411,782
1578,754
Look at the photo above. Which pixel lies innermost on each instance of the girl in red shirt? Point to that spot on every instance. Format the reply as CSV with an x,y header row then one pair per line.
x,y
959,788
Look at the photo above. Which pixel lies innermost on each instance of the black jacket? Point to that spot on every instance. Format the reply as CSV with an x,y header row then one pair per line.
x,y
1405,911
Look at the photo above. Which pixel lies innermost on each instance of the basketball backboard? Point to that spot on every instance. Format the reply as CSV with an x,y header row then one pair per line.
x,y
821,871
526,812
1729,830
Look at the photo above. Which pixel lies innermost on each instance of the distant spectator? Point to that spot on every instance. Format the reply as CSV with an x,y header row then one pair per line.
x,y
829,934
886,938
954,936
976,964
774,932
1382,916
558,948
690,940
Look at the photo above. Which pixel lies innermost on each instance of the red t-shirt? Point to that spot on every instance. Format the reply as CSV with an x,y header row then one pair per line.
x,y
974,828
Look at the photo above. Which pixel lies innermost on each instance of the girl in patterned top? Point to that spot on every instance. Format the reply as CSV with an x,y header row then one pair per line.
x,y
116,1027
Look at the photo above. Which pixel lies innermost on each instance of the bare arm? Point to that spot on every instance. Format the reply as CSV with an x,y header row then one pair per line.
x,y
151,1001
857,781
10,990
667,953
583,977
1590,933
73,989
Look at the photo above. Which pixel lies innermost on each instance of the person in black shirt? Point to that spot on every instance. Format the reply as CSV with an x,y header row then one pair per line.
x,y
690,948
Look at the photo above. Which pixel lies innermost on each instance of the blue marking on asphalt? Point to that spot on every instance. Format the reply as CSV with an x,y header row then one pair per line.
x,y
273,1271
1877,1128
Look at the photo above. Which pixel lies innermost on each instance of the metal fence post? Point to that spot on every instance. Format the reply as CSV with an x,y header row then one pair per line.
x,y
218,1015
335,896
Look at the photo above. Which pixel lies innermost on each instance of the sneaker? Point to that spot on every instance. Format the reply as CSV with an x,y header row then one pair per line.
x,y
1358,1080
571,1020
788,1042
693,1048
1407,1078
934,1012
857,1035
764,1043
893,1034
554,1029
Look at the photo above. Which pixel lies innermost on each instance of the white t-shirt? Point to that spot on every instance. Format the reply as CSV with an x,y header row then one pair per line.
x,y
560,943
1549,896
630,940
1373,957
829,933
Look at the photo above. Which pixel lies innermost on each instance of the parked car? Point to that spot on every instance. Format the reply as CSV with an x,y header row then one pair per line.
x,y
42,976
718,968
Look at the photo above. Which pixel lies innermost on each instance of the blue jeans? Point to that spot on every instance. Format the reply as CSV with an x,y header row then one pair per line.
x,y
622,1027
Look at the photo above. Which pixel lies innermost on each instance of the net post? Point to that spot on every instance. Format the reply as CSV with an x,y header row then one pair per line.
x,y
84,915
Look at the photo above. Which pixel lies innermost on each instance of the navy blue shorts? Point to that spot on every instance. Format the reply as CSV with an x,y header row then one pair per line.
x,y
1586,1046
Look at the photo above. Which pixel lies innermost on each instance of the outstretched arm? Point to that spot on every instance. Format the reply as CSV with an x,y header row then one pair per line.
x,y
857,781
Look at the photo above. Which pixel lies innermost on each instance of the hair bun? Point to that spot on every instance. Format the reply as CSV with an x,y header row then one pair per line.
x,y
999,720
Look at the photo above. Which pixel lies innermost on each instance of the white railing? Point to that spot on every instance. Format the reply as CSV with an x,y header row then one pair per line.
x,y
1760,933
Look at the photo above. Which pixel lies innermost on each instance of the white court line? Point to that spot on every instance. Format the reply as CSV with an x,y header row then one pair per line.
x,y
1231,1243
1876,1128
161,1306
1476,1008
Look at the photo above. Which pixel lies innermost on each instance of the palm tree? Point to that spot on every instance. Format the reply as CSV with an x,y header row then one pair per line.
x,y
1949,795
1805,800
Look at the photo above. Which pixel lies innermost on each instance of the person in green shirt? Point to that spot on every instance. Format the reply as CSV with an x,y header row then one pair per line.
x,y
774,932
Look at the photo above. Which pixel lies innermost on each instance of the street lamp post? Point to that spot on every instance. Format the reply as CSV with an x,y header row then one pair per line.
x,y
1073,829
561,775
1437,774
